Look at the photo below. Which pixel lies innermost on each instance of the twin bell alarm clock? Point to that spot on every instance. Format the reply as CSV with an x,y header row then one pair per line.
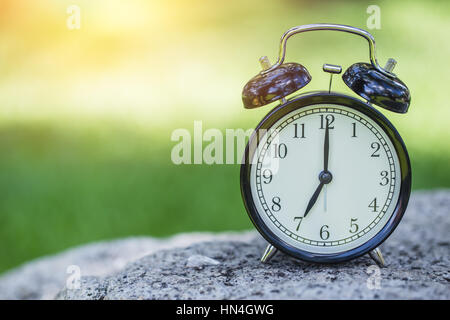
x,y
326,177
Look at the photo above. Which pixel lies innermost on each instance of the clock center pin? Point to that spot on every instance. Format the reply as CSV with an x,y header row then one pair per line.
x,y
325,177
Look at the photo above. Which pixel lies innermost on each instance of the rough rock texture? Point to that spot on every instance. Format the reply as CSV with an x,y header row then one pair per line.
x,y
44,277
228,267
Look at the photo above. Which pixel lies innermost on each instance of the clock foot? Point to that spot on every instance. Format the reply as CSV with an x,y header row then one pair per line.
x,y
377,257
268,253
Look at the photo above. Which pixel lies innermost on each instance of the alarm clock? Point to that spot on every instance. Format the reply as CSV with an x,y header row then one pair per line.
x,y
325,176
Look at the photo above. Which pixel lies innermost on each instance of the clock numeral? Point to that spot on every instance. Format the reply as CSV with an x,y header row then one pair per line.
x,y
373,205
384,178
376,146
353,226
276,206
354,129
329,119
280,150
267,174
302,130
299,222
324,233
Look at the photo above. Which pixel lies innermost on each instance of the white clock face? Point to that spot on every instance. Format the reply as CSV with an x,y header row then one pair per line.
x,y
351,208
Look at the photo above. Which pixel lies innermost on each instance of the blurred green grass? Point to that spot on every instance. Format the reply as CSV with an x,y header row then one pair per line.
x,y
86,117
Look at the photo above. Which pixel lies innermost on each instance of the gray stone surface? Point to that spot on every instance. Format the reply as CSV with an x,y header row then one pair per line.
x,y
44,277
417,255
199,262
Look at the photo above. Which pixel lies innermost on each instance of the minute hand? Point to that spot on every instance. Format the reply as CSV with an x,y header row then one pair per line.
x,y
326,149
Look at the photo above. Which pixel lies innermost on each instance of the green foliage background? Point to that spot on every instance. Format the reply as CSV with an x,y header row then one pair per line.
x,y
86,115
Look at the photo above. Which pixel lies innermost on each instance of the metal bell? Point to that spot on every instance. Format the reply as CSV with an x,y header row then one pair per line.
x,y
387,92
275,84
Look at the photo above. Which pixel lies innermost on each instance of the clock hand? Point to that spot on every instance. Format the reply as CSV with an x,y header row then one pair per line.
x,y
314,197
325,176
326,153
326,148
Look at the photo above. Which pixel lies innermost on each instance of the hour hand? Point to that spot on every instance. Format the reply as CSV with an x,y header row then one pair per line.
x,y
314,197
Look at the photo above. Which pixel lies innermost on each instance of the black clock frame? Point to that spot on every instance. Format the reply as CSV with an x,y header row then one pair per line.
x,y
324,97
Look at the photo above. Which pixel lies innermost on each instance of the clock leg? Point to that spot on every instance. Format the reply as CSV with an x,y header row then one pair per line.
x,y
377,257
268,253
